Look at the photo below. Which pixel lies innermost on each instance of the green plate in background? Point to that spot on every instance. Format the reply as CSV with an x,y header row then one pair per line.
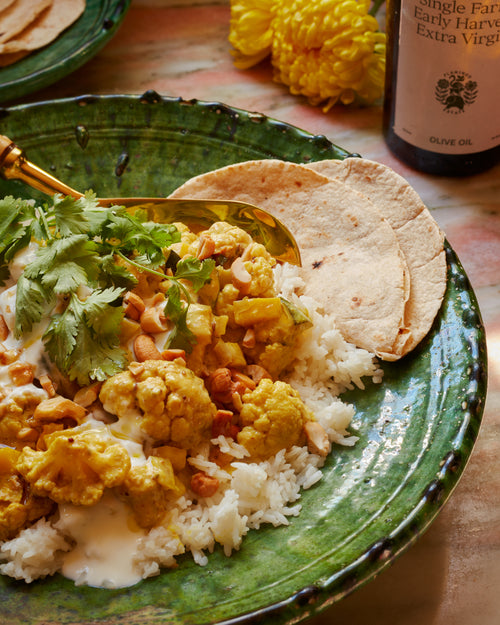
x,y
416,430
74,47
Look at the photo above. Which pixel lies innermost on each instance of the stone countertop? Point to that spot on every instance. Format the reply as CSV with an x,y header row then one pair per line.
x,y
451,575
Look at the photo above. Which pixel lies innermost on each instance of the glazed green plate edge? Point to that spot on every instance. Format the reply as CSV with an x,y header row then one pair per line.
x,y
316,596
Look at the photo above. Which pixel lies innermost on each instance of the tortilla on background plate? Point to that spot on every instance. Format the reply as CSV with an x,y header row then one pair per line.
x,y
419,237
45,27
16,16
354,265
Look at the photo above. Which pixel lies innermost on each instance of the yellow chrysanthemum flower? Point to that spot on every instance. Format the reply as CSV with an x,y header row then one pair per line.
x,y
328,50
251,33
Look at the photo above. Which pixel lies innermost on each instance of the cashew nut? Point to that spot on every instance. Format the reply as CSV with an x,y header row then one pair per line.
x,y
243,379
88,395
8,356
4,330
58,408
249,339
21,373
204,485
153,321
47,385
240,276
317,438
206,247
173,354
145,348
134,305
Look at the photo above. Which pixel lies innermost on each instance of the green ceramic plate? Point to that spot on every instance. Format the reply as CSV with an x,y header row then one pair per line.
x,y
416,430
74,47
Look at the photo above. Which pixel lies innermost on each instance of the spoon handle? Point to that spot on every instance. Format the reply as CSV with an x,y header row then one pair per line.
x,y
14,165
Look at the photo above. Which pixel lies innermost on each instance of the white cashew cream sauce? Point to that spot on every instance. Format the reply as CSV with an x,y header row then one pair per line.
x,y
105,535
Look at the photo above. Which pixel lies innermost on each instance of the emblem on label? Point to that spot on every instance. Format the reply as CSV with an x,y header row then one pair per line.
x,y
455,91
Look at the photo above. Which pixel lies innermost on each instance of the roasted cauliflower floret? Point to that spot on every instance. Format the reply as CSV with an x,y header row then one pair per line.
x,y
262,284
229,241
18,506
76,467
171,402
273,418
276,357
16,417
188,241
148,489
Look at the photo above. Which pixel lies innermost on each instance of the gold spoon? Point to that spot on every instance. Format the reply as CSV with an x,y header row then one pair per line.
x,y
260,224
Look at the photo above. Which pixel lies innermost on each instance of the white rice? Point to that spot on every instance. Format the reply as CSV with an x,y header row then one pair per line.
x,y
36,552
250,494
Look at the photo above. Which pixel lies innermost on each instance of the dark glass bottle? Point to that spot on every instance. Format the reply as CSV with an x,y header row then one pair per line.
x,y
442,93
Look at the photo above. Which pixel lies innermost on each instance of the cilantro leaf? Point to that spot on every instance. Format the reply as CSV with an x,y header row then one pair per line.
x,y
82,243
196,271
15,234
60,337
13,214
145,239
113,274
97,216
181,336
83,341
31,299
69,216
101,315
64,264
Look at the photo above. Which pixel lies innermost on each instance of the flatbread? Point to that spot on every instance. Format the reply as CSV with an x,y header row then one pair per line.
x,y
5,3
350,255
17,16
419,237
8,59
46,27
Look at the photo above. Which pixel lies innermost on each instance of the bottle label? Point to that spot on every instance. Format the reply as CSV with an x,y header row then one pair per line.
x,y
447,96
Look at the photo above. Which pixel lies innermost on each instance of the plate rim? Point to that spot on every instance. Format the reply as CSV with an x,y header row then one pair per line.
x,y
314,598
47,74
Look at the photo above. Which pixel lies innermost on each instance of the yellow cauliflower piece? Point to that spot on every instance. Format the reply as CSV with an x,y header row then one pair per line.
x,y
230,241
273,417
171,402
18,505
262,284
76,467
16,417
276,357
189,240
148,489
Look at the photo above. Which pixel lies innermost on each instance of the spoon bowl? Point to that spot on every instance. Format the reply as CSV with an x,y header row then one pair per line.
x,y
196,214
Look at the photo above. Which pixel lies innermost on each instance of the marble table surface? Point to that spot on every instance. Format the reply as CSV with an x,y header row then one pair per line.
x,y
451,576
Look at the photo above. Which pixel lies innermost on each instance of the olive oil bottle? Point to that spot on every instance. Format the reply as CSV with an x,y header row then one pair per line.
x,y
442,95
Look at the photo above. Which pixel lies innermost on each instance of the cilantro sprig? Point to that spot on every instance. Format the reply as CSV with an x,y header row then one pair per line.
x,y
86,260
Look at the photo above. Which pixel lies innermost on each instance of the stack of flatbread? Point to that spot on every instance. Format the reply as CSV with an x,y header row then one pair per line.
x,y
27,25
372,253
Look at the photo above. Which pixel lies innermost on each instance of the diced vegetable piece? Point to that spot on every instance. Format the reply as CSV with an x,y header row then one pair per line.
x,y
176,456
199,321
220,324
229,354
298,315
248,312
128,328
